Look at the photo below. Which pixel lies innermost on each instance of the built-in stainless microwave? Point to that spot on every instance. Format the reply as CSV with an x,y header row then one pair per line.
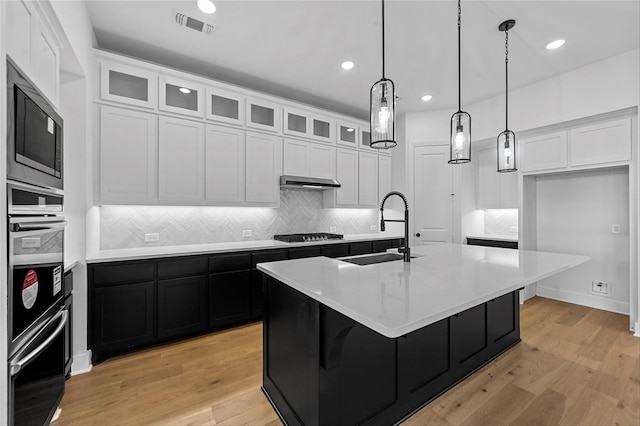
x,y
34,136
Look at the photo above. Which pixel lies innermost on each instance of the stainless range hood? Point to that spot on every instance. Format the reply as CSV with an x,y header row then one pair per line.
x,y
307,182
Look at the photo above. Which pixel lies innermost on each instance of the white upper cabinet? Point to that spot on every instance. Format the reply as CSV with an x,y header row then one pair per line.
x,y
181,97
263,162
322,161
128,156
368,179
295,158
128,85
302,158
347,134
34,47
181,160
21,24
225,170
305,124
225,106
543,152
296,122
384,176
365,137
494,190
601,143
263,115
323,129
347,175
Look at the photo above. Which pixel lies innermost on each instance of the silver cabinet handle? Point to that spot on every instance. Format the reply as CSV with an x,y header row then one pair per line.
x,y
16,365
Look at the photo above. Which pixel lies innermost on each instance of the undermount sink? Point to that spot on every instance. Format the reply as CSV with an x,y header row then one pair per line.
x,y
376,258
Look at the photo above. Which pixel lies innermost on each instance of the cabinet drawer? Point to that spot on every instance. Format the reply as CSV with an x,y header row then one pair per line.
x,y
336,250
121,273
302,252
229,262
365,247
382,246
182,267
269,256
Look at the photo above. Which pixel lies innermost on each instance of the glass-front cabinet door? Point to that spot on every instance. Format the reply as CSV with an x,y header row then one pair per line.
x,y
296,122
365,137
263,115
225,106
323,129
128,85
181,97
347,133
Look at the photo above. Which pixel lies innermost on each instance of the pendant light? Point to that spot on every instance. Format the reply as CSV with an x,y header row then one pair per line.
x,y
460,143
506,139
382,108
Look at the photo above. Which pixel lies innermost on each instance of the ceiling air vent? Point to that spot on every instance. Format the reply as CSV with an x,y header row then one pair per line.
x,y
185,20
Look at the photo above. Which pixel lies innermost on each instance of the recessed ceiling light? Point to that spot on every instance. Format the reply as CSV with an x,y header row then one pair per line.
x,y
207,6
184,90
555,44
347,65
426,98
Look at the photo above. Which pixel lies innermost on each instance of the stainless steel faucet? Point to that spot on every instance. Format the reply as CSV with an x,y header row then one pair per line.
x,y
404,250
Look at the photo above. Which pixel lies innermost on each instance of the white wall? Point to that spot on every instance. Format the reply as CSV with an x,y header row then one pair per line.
x,y
574,215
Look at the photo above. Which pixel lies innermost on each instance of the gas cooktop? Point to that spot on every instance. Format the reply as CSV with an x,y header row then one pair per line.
x,y
304,238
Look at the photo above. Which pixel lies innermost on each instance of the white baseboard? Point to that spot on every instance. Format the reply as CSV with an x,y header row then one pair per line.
x,y
81,363
637,329
597,302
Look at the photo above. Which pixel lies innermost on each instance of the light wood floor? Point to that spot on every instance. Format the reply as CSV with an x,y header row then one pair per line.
x,y
574,366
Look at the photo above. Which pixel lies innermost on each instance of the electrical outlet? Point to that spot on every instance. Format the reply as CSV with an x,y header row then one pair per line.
x,y
332,229
151,238
372,228
600,288
615,228
247,233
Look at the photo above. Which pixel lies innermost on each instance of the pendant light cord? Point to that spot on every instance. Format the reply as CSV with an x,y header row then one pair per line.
x,y
382,39
506,78
459,78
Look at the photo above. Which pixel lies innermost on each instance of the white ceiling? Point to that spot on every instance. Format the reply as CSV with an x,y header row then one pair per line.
x,y
294,48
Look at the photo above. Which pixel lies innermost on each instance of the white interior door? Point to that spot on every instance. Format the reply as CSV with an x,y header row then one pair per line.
x,y
433,195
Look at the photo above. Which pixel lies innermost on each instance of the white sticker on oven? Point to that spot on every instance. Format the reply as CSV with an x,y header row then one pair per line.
x,y
50,125
30,242
57,280
30,289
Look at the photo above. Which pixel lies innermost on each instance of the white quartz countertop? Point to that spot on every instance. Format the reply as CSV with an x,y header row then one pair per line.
x,y
185,250
396,298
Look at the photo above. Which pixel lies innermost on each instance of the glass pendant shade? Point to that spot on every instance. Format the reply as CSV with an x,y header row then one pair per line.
x,y
460,145
382,100
507,152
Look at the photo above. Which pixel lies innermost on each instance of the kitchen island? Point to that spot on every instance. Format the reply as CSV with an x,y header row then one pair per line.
x,y
348,344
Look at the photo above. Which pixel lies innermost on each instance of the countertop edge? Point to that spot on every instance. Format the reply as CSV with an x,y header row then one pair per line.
x,y
146,253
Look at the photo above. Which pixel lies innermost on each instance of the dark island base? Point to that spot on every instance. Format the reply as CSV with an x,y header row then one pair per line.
x,y
323,368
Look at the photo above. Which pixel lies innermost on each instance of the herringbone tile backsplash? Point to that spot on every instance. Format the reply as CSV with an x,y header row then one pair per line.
x,y
501,222
300,211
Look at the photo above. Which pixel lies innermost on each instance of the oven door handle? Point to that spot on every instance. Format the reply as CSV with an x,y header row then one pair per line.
x,y
16,365
22,227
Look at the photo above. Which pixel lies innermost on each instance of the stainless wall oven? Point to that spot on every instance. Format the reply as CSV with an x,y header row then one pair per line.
x,y
34,134
36,313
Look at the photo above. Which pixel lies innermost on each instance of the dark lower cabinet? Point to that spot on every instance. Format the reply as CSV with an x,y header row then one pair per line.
x,y
123,318
230,298
381,246
182,306
136,304
492,243
335,250
321,367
